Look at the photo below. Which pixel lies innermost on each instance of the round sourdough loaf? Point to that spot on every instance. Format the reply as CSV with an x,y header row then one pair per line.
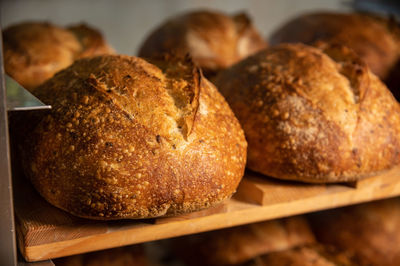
x,y
127,139
35,51
376,40
213,39
316,115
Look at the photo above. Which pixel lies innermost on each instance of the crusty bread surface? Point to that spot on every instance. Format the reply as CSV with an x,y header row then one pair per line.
x,y
213,39
127,139
315,115
35,51
375,40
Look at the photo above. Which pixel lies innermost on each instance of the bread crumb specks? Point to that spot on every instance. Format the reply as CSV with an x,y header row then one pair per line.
x,y
302,113
137,156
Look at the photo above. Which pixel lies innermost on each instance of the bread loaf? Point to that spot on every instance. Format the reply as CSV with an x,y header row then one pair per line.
x,y
214,40
237,245
91,41
127,139
123,256
35,51
375,40
315,115
371,231
309,255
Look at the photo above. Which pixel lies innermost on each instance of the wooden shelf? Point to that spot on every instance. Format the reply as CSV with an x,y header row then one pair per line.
x,y
45,232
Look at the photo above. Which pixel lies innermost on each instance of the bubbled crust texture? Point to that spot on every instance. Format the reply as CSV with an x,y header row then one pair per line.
x,y
127,140
310,118
377,41
35,51
214,40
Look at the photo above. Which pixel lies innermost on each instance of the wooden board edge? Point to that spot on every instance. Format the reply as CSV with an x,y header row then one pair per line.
x,y
242,213
248,191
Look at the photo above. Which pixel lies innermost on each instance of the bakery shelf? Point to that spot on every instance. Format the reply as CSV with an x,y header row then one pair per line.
x,y
45,232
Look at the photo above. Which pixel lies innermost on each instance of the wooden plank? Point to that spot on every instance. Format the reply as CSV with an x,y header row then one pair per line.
x,y
367,182
258,189
51,233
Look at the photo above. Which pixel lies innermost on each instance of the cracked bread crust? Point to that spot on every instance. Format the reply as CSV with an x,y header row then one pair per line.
x,y
126,139
213,39
375,40
35,51
313,115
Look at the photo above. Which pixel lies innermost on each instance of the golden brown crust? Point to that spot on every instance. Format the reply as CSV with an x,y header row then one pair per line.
x,y
213,39
369,230
311,117
377,41
91,40
239,244
126,139
35,51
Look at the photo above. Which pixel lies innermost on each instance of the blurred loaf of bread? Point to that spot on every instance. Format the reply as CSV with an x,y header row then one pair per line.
x,y
35,51
308,255
239,244
371,231
123,256
213,39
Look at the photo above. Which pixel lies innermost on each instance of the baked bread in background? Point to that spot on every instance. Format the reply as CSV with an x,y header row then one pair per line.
x,y
213,39
315,115
128,139
35,51
369,230
308,255
376,40
91,40
237,245
123,256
